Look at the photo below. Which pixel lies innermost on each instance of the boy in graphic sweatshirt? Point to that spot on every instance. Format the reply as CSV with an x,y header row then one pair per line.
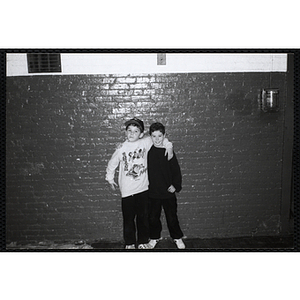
x,y
131,157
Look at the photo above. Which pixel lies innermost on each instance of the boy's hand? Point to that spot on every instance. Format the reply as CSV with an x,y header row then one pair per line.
x,y
169,150
171,189
113,185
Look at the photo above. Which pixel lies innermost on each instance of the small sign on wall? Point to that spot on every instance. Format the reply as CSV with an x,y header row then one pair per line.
x,y
161,59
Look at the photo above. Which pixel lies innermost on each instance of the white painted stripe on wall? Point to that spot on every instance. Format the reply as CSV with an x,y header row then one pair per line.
x,y
132,63
16,64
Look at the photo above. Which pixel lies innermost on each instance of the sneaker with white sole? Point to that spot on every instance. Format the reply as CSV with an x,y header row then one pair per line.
x,y
152,243
130,246
179,243
144,246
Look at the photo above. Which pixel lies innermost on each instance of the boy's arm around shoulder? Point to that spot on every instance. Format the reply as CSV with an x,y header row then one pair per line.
x,y
176,173
148,141
166,143
169,148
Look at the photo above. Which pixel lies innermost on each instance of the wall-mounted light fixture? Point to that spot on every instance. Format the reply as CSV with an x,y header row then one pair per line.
x,y
269,101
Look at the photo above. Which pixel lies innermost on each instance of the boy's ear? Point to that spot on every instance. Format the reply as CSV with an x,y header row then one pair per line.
x,y
141,135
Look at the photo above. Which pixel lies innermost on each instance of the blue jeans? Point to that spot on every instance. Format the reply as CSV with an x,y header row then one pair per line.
x,y
135,218
170,208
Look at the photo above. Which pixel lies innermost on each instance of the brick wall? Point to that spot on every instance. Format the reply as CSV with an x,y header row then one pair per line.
x,y
62,130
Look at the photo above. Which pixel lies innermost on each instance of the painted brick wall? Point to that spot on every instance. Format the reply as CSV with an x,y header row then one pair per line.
x,y
62,130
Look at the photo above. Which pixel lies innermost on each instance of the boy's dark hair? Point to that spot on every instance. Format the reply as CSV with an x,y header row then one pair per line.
x,y
157,126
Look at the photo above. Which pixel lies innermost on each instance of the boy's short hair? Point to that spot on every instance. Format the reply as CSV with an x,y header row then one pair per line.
x,y
136,122
157,126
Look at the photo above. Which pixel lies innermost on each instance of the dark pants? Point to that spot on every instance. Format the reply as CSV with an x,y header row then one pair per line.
x,y
170,208
135,218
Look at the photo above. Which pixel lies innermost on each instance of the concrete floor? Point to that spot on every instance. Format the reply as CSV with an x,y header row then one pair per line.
x,y
166,244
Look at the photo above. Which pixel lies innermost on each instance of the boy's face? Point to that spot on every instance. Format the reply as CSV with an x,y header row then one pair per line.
x,y
157,138
133,133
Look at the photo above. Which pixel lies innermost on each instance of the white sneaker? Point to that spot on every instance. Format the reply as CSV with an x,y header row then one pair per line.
x,y
152,243
130,246
179,243
144,246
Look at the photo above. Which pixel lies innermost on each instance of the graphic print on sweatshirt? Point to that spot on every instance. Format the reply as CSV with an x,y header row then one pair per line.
x,y
134,163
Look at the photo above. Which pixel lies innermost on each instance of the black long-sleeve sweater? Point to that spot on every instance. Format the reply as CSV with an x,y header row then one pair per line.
x,y
162,173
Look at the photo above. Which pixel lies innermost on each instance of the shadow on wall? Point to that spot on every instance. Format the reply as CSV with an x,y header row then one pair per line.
x,y
243,103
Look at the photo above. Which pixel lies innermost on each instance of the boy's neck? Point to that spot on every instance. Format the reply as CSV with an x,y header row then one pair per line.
x,y
160,146
133,141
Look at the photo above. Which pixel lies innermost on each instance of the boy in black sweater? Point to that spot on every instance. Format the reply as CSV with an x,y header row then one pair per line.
x,y
164,180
